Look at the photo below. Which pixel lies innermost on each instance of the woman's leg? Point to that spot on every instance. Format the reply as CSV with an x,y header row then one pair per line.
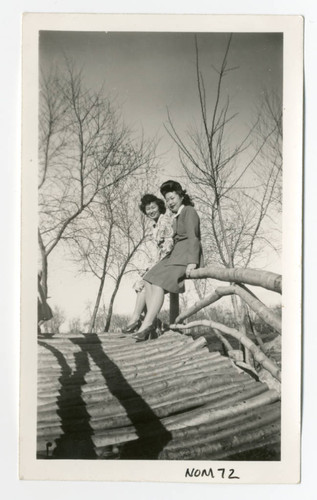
x,y
154,296
139,306
148,294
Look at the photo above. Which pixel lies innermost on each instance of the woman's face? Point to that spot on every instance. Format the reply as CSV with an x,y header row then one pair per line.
x,y
152,211
173,201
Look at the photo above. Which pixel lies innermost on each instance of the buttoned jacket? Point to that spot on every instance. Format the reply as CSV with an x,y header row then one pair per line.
x,y
187,247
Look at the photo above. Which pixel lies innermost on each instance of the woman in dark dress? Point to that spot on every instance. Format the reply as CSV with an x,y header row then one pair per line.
x,y
169,274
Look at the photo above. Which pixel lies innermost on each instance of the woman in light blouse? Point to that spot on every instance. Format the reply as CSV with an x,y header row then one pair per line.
x,y
162,236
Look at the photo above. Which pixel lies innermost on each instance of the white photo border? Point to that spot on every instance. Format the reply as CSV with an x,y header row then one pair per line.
x,y
287,470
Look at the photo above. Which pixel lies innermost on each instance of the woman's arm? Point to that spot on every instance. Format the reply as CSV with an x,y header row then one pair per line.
x,y
192,228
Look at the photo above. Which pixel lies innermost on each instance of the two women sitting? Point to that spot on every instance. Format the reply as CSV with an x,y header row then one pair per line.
x,y
175,265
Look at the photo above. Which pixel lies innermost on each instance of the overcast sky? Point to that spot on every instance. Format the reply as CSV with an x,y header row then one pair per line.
x,y
148,72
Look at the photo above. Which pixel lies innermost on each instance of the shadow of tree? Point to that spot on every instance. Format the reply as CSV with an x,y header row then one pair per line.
x,y
144,418
76,442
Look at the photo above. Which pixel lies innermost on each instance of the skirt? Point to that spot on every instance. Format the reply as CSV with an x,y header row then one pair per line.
x,y
170,277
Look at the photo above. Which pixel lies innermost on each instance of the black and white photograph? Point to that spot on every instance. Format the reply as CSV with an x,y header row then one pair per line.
x,y
161,229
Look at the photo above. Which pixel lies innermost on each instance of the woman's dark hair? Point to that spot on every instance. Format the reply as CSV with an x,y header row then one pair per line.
x,y
151,198
174,186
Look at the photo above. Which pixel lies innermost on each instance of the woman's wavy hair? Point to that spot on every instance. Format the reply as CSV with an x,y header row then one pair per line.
x,y
174,186
151,198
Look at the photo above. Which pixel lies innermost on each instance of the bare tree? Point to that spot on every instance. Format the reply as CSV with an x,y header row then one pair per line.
x,y
99,319
90,243
271,157
84,149
105,241
75,325
132,232
232,218
54,324
235,182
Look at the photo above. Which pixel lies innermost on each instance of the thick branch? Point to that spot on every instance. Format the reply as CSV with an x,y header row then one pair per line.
x,y
258,354
249,298
257,306
210,299
265,279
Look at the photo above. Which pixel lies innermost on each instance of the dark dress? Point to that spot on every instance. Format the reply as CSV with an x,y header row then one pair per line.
x,y
169,273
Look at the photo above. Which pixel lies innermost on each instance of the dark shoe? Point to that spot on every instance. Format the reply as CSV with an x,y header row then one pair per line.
x,y
145,334
133,327
154,334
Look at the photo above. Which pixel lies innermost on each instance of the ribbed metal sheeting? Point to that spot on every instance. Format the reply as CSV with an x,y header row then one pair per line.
x,y
106,396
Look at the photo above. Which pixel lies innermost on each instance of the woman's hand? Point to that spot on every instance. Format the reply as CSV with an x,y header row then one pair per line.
x,y
189,268
139,285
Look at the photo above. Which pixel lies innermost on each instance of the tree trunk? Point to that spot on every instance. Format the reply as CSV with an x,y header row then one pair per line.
x,y
118,281
102,282
110,309
97,304
238,315
243,328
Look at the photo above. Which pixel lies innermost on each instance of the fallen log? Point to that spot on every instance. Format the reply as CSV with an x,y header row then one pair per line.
x,y
212,415
206,437
231,442
260,414
254,446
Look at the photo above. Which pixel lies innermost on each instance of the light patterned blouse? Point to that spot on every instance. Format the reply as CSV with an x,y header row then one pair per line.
x,y
162,232
161,245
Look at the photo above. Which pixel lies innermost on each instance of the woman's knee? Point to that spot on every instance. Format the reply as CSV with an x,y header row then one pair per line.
x,y
147,285
147,292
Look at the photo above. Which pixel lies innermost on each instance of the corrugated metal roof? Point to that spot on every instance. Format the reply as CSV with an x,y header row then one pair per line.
x,y
106,396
